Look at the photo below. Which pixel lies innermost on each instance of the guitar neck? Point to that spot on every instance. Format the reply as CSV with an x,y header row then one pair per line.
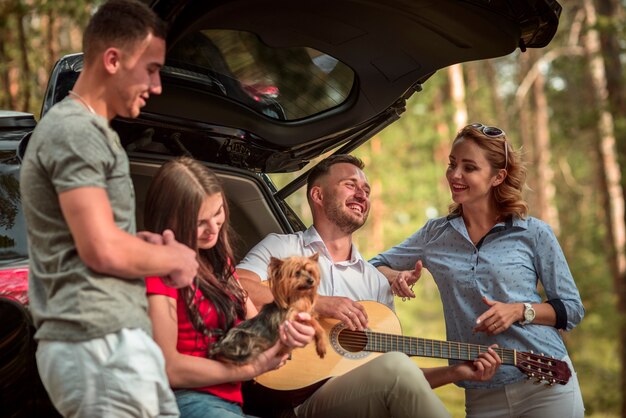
x,y
422,347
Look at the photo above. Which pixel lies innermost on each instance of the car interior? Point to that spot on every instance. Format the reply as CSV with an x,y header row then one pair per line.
x,y
251,215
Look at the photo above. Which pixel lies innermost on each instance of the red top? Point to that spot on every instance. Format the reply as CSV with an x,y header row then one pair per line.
x,y
191,342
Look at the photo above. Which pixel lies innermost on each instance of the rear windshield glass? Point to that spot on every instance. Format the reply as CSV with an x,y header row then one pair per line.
x,y
282,83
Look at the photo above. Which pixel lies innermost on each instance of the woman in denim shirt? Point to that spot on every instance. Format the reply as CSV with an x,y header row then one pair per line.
x,y
487,257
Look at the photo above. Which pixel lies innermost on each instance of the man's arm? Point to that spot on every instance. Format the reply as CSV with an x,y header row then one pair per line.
x,y
105,248
401,282
259,293
481,369
351,313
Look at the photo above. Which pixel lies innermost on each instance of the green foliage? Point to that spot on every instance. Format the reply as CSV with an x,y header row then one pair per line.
x,y
33,35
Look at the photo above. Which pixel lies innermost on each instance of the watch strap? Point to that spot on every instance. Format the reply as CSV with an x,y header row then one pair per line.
x,y
561,313
527,307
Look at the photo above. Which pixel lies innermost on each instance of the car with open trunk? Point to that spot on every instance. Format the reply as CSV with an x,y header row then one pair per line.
x,y
253,88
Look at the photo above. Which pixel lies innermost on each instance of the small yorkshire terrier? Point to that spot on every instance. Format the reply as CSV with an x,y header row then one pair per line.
x,y
294,282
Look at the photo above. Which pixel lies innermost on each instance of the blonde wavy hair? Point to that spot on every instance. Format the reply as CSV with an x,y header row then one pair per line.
x,y
507,196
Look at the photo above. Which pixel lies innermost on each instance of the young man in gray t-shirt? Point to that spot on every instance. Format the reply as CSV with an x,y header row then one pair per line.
x,y
87,295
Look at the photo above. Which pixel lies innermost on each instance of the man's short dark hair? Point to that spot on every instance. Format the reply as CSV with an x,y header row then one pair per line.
x,y
323,167
120,24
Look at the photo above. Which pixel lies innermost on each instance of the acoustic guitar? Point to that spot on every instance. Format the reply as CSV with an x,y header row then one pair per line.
x,y
350,349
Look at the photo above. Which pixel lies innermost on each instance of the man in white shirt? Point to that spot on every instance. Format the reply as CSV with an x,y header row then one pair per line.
x,y
391,384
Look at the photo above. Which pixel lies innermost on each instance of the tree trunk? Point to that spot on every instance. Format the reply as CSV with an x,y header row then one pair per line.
x,y
545,174
534,129
26,73
524,116
496,101
52,40
457,93
9,99
611,178
611,10
377,212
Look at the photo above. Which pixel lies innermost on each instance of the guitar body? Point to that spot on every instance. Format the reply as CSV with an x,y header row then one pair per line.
x,y
305,368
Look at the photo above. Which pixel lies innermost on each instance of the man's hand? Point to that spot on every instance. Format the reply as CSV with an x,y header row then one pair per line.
x,y
150,237
402,285
344,309
481,369
187,268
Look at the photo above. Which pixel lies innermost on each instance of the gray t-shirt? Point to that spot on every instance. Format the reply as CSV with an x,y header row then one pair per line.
x,y
73,148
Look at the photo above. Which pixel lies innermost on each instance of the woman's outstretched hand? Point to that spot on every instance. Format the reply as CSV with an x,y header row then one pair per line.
x,y
402,285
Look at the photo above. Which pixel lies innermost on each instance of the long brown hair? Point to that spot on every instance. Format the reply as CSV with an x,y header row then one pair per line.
x,y
506,196
173,201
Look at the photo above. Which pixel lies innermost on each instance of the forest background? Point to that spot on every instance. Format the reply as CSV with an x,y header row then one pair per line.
x,y
564,106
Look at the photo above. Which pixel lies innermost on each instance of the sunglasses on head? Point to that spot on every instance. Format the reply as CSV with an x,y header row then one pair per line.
x,y
494,132
490,131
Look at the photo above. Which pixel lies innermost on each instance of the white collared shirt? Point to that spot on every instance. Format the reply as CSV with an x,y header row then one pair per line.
x,y
356,278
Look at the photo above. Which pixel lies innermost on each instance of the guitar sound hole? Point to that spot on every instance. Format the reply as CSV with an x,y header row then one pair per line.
x,y
352,341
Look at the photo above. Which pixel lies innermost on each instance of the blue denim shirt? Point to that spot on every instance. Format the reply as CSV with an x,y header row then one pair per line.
x,y
506,267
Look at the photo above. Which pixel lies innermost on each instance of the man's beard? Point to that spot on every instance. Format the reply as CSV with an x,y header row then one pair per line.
x,y
341,216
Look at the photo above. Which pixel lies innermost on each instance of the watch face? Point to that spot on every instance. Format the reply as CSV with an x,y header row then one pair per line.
x,y
529,314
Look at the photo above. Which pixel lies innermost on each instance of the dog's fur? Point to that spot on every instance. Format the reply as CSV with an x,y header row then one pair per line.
x,y
294,282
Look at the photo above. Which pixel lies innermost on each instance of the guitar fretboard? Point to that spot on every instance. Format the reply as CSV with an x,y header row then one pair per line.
x,y
421,347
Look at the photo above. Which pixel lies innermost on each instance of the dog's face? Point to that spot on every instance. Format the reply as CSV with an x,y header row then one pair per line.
x,y
294,279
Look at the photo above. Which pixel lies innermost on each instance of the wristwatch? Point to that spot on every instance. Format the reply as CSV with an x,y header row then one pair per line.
x,y
529,314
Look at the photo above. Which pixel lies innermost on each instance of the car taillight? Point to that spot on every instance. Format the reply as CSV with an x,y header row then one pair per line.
x,y
14,284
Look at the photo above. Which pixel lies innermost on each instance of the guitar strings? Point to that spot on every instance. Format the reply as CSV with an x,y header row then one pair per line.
x,y
533,365
386,342
380,342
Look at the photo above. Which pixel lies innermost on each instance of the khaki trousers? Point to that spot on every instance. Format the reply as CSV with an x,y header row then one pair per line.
x,y
527,400
391,385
